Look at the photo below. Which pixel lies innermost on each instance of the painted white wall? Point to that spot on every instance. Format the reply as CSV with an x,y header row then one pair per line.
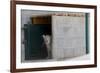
x,y
5,37
69,30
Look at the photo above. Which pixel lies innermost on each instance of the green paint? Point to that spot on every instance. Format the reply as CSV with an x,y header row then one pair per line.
x,y
87,34
35,48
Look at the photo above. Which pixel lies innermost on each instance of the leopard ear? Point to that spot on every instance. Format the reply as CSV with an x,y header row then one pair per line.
x,y
43,36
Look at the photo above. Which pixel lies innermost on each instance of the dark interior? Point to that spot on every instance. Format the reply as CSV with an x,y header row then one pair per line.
x,y
35,47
